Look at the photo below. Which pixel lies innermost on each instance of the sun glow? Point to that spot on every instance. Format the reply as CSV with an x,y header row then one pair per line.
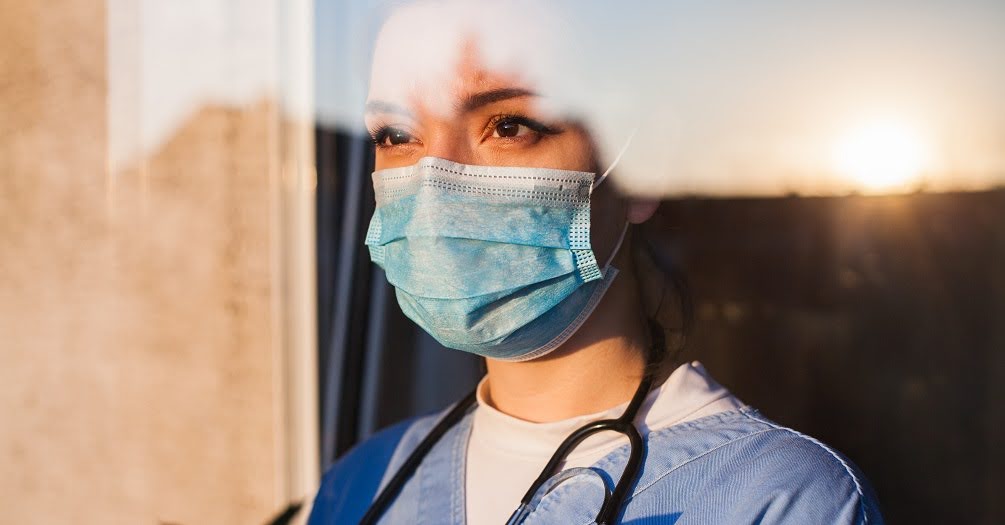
x,y
882,156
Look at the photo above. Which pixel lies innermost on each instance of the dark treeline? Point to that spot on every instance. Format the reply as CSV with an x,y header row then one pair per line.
x,y
876,324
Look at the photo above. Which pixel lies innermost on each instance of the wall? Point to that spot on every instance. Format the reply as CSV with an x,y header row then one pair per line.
x,y
143,340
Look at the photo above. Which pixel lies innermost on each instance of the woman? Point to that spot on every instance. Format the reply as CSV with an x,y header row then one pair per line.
x,y
497,231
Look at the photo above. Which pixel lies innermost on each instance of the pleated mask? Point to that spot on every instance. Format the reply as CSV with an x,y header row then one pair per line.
x,y
491,260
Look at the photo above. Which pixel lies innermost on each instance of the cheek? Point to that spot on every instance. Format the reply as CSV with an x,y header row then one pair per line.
x,y
397,157
574,151
570,150
606,222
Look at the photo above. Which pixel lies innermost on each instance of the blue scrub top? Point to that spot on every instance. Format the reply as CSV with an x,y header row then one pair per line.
x,y
733,467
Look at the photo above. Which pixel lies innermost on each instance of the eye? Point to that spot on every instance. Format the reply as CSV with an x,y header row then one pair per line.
x,y
515,126
509,127
388,136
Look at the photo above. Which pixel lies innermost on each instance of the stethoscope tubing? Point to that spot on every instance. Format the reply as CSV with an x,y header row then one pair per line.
x,y
625,424
411,464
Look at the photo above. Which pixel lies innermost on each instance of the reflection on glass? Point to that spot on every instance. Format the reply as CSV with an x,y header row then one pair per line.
x,y
856,295
729,100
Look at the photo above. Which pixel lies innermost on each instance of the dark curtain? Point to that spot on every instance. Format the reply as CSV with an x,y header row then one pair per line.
x,y
375,366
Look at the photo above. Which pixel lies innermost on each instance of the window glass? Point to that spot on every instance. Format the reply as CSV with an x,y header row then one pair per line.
x,y
831,177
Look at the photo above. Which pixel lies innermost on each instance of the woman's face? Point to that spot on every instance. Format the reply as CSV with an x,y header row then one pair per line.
x,y
473,115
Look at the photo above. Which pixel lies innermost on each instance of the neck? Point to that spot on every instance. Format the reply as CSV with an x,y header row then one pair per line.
x,y
598,368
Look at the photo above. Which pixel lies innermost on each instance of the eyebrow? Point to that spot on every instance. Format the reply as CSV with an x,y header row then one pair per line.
x,y
485,98
469,104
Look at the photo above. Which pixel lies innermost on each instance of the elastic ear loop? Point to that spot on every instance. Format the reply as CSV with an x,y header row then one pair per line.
x,y
617,247
617,159
600,180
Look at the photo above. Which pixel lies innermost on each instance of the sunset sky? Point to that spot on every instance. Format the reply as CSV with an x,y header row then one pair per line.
x,y
737,98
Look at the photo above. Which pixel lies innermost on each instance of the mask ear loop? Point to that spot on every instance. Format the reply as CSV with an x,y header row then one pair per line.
x,y
600,180
617,247
617,159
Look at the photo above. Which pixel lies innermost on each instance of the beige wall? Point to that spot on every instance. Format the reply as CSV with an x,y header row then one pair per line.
x,y
146,374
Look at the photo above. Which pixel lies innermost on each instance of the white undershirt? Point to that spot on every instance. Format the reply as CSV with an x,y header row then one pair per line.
x,y
506,454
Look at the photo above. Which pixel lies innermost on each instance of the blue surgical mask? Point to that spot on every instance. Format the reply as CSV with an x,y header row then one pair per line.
x,y
491,260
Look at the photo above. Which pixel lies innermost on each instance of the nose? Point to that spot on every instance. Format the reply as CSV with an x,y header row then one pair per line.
x,y
451,142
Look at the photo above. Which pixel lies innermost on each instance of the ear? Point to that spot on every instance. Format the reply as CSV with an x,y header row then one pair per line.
x,y
640,210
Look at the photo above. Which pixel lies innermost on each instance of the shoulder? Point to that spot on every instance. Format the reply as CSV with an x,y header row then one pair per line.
x,y
755,470
348,487
351,484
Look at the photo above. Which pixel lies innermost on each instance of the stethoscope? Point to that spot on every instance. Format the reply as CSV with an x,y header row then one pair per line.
x,y
623,425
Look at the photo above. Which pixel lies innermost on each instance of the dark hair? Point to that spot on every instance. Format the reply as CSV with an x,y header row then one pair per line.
x,y
669,308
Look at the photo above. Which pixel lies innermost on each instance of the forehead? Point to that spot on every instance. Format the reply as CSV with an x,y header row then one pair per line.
x,y
433,54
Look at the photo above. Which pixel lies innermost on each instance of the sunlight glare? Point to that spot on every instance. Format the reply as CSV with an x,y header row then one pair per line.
x,y
881,156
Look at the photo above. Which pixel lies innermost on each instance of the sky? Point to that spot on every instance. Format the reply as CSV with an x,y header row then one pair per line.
x,y
729,97
735,97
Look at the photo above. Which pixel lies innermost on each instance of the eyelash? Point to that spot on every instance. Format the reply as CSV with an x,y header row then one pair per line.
x,y
379,134
522,120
